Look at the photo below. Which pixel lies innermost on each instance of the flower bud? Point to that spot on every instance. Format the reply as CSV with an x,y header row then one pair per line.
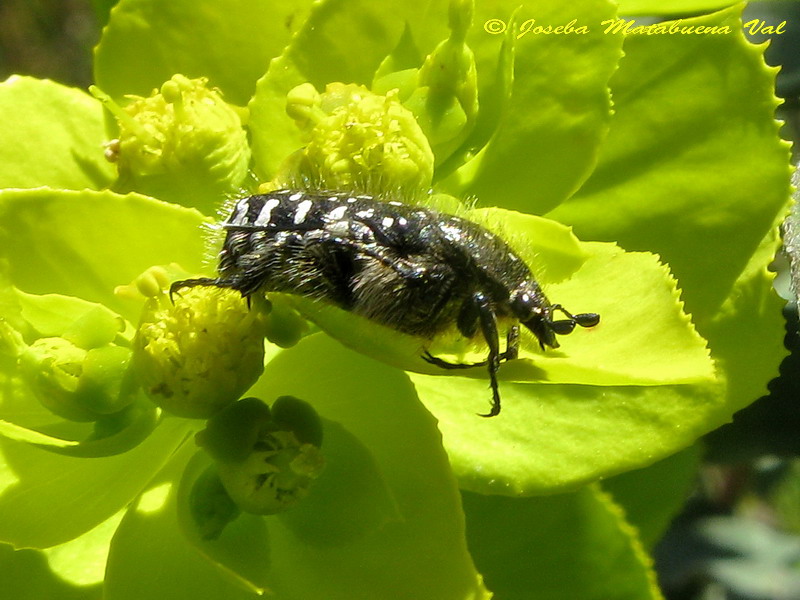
x,y
196,356
284,325
303,105
182,141
267,459
151,283
105,386
232,433
361,141
77,384
446,99
52,368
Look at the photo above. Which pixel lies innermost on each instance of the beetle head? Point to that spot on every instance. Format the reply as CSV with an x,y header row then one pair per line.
x,y
536,313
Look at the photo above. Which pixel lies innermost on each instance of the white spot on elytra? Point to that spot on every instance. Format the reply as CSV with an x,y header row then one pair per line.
x,y
296,196
240,213
302,211
395,203
513,257
337,213
266,211
402,221
365,214
387,221
351,200
338,228
450,232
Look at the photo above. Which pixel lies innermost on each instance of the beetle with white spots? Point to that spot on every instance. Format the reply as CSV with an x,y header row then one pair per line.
x,y
417,271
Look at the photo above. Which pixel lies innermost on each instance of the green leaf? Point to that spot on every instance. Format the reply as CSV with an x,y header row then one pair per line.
x,y
621,350
401,64
87,491
574,546
86,243
52,136
704,183
421,553
229,41
36,438
549,248
27,576
341,41
149,551
555,437
137,422
352,488
746,333
674,164
547,141
54,315
654,495
82,561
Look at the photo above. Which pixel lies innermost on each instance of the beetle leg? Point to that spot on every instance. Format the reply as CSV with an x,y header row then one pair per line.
x,y
511,352
487,321
512,344
176,286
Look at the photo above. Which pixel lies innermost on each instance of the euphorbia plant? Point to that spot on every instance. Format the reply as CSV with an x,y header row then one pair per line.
x,y
378,458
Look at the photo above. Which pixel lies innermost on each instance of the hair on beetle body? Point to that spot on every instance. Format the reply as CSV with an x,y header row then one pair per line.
x,y
412,269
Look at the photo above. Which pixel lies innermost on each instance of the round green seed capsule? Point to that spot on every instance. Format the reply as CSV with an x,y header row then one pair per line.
x,y
267,459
